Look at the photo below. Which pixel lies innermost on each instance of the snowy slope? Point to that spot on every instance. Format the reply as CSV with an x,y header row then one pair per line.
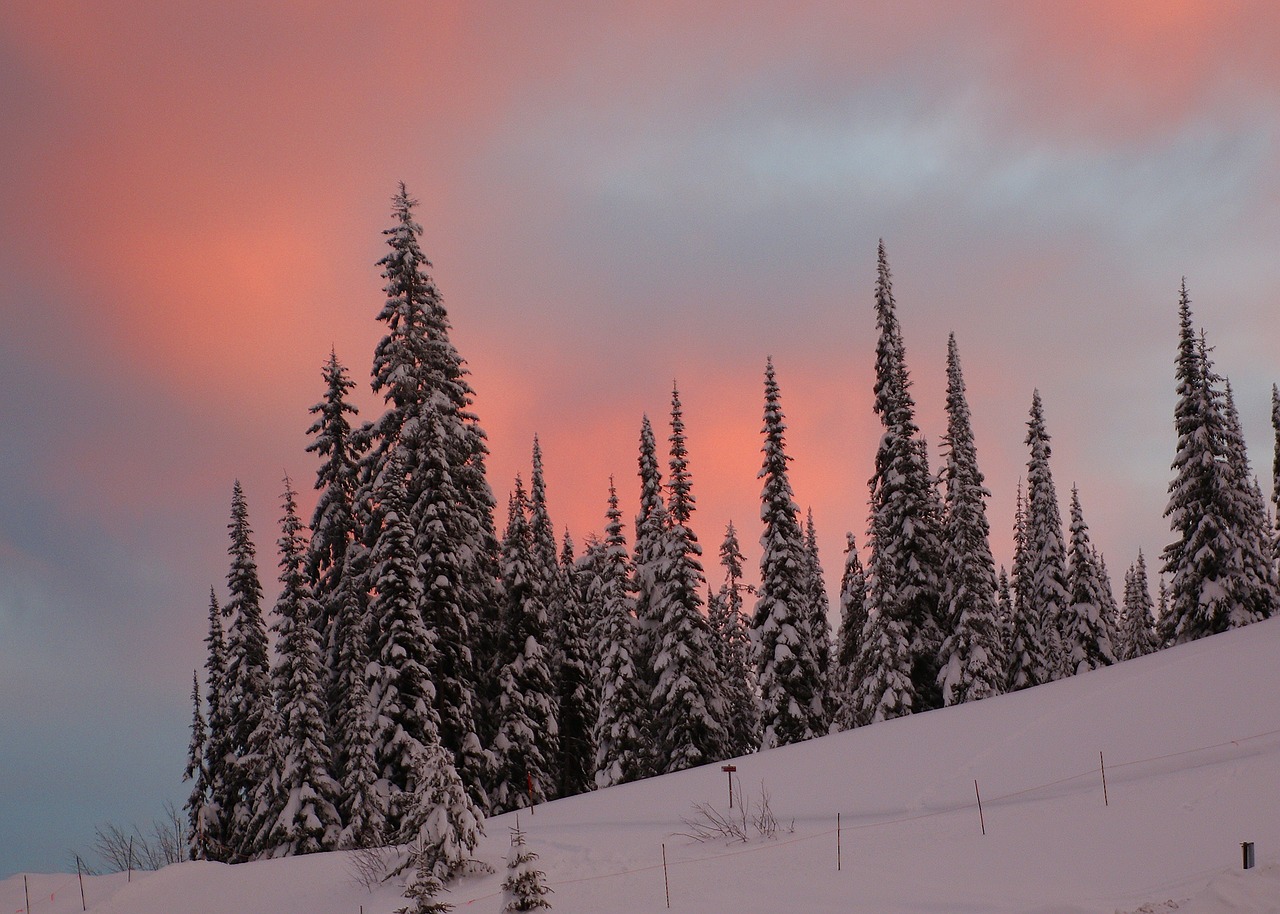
x,y
1190,739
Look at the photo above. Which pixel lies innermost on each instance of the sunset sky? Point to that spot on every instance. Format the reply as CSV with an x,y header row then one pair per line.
x,y
614,196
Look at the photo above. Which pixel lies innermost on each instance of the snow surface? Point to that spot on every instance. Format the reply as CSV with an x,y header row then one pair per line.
x,y
1190,738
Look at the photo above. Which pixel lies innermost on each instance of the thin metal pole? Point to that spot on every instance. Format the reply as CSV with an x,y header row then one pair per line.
x,y
80,876
129,878
665,879
838,842
1106,801
26,893
981,818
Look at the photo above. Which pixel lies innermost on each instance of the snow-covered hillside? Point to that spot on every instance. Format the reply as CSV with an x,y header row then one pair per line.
x,y
1191,743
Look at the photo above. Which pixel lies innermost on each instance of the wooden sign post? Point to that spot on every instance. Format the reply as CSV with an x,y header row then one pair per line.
x,y
729,770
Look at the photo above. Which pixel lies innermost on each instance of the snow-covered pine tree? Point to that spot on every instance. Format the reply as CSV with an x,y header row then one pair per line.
x,y
1026,655
1047,594
441,546
1258,589
418,371
853,621
1086,636
1137,630
363,795
333,524
732,628
246,693
904,571
441,822
527,744
650,527
525,887
786,666
1206,561
1275,465
819,616
300,815
972,659
622,719
688,706
198,775
1004,604
210,833
578,709
401,693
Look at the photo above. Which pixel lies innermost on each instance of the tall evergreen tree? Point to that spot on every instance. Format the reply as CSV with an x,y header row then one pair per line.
x,y
853,621
578,709
333,524
246,693
1257,588
300,815
1275,465
527,745
904,637
1212,586
211,831
972,659
424,382
786,666
1028,656
1086,636
441,547
401,692
819,611
1048,596
730,624
1004,603
1137,629
650,545
622,719
197,773
688,706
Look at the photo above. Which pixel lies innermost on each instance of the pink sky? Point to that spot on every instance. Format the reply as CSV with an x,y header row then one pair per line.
x,y
613,199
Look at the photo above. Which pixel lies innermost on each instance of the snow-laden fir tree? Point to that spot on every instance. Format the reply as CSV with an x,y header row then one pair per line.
x,y
1048,596
1026,653
300,815
441,546
423,380
1004,605
197,773
1137,626
904,569
1086,634
1257,587
650,546
688,707
363,797
527,744
246,693
972,658
401,692
1275,465
622,719
819,615
578,709
733,632
525,886
333,524
441,824
853,621
787,672
1213,585
212,801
